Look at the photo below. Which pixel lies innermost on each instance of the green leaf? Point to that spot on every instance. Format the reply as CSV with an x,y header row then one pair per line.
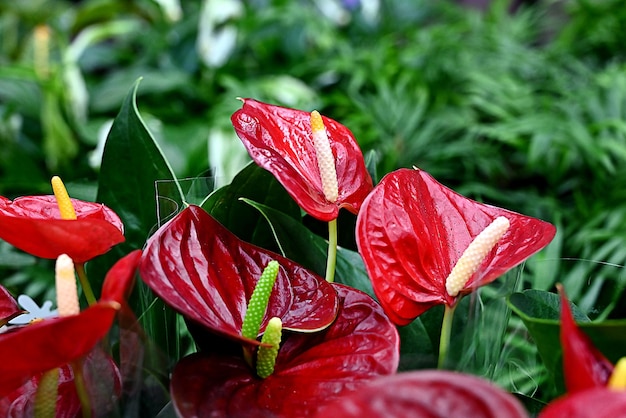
x,y
256,184
540,312
417,350
310,250
132,163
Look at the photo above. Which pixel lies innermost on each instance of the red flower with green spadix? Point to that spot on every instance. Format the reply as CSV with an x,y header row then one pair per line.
x,y
315,158
307,370
426,394
425,245
32,350
50,225
207,274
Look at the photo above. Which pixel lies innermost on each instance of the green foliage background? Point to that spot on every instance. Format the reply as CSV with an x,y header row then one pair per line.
x,y
525,110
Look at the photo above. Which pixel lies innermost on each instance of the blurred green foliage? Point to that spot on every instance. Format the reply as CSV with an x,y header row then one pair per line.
x,y
523,110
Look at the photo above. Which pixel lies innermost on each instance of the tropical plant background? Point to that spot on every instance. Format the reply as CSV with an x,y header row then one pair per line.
x,y
522,107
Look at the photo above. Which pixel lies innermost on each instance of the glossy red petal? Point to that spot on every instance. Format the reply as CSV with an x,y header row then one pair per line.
x,y
590,403
311,369
118,282
411,231
33,224
8,307
45,207
51,343
208,274
584,366
280,140
426,394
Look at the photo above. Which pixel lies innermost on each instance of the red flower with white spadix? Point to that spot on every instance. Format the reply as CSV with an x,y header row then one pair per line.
x,y
425,245
315,158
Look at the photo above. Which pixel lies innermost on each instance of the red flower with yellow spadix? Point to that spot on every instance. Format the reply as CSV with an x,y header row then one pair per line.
x,y
425,245
315,158
51,344
47,226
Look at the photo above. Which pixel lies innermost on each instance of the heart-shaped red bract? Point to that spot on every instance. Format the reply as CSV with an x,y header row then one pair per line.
x,y
207,274
311,369
426,394
8,307
411,231
591,403
34,225
584,366
54,342
280,140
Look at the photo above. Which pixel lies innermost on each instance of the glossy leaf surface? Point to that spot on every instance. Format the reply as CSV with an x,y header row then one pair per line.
x,y
311,369
412,230
584,366
280,140
33,224
427,394
208,274
132,163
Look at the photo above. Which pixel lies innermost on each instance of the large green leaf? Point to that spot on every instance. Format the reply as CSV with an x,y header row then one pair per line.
x,y
540,312
132,163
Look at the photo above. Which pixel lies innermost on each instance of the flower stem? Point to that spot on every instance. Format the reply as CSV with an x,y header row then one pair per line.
x,y
444,339
81,389
84,283
331,260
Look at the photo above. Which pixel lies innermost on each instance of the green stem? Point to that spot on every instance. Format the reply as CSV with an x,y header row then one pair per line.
x,y
331,260
81,389
84,283
444,339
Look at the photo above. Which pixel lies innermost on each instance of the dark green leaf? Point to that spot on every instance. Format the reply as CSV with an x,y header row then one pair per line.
x,y
132,163
258,185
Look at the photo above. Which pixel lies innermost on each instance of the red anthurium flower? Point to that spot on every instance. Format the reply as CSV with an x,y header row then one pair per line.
x,y
584,366
412,231
8,307
590,403
54,342
311,369
206,273
102,383
33,224
426,394
282,141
